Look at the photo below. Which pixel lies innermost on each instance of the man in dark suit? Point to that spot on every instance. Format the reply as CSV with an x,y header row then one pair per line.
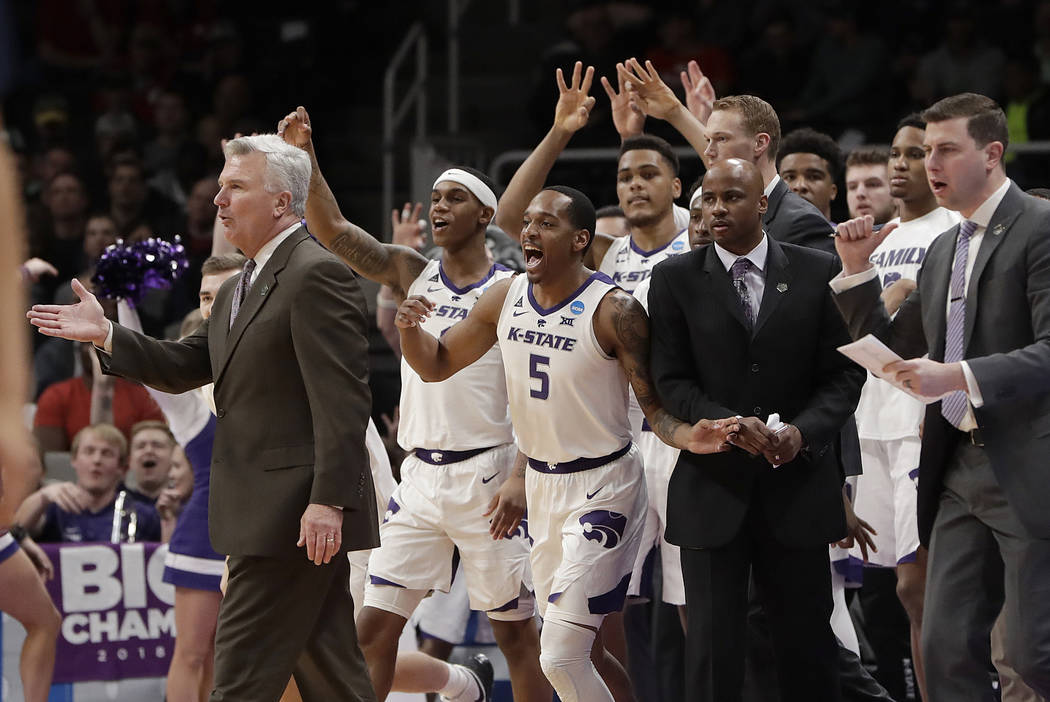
x,y
746,326
286,349
982,313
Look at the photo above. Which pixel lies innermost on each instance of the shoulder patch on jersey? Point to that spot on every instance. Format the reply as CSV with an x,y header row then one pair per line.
x,y
677,245
519,303
434,278
577,307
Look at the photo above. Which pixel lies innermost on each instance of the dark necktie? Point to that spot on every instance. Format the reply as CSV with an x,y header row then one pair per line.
x,y
243,285
954,405
738,271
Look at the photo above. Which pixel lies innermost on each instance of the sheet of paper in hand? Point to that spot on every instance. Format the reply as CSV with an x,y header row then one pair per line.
x,y
874,355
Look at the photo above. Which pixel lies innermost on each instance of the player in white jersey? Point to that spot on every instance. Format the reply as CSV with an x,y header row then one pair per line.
x,y
888,421
571,341
461,451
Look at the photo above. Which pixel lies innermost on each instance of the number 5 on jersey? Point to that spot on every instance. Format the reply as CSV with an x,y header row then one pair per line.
x,y
535,363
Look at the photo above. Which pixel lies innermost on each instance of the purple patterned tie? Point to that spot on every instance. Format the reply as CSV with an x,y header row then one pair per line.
x,y
738,271
954,405
243,285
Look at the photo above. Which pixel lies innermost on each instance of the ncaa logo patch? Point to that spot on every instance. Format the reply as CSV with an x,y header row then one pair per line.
x,y
678,246
577,307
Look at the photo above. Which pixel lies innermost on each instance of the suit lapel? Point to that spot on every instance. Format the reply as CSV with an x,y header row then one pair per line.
x,y
778,277
722,287
257,296
1005,215
937,269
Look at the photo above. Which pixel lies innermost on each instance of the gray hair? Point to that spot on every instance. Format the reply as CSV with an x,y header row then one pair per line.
x,y
287,167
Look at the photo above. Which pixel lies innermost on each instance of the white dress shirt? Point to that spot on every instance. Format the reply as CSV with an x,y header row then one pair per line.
x,y
770,185
982,216
755,278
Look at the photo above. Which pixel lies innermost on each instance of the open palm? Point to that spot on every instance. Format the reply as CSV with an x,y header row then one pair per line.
x,y
295,128
84,321
574,103
647,89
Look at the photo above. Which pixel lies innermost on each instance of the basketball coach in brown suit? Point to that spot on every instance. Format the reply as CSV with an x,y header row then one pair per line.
x,y
287,352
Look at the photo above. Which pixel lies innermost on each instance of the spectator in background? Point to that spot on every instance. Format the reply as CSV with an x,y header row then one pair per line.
x,y
680,41
200,218
59,238
85,510
150,458
811,164
842,90
138,210
964,62
868,184
170,121
65,407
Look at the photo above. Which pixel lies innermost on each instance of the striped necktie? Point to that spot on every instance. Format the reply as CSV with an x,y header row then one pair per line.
x,y
954,405
243,285
740,268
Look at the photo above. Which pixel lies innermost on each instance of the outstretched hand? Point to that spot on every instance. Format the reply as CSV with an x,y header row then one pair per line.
x,y
712,436
83,321
295,128
699,93
628,117
647,89
574,103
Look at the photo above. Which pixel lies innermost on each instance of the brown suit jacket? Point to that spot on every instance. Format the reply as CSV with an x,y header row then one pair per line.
x,y
291,395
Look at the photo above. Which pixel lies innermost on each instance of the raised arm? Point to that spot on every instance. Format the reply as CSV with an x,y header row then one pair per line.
x,y
570,115
651,95
623,326
395,266
437,359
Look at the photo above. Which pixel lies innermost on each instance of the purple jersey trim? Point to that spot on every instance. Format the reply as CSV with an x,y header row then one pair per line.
x,y
436,457
462,291
611,601
658,249
509,607
194,581
376,580
544,311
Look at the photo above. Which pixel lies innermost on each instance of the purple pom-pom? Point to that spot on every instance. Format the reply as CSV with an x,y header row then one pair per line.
x,y
126,271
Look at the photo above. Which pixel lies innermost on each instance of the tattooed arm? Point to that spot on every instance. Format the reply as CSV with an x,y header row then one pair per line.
x,y
395,266
622,329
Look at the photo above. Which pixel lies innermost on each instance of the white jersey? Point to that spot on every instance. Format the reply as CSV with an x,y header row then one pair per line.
x,y
468,410
567,397
628,265
884,412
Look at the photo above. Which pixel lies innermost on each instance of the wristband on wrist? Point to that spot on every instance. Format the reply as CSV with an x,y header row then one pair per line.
x,y
18,532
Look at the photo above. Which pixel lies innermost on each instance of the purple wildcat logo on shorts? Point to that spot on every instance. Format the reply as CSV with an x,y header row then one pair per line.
x,y
603,526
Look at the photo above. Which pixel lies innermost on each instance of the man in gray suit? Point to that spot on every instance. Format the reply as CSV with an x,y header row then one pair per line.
x,y
982,313
286,348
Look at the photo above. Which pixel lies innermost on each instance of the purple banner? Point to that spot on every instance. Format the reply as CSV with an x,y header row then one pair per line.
x,y
118,621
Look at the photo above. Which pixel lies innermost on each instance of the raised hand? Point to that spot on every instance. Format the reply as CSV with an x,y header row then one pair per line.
x,y
712,436
647,89
84,321
574,104
36,267
699,93
856,240
628,118
295,128
409,227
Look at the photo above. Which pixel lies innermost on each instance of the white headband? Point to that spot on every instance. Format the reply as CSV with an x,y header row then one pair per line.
x,y
472,183
696,196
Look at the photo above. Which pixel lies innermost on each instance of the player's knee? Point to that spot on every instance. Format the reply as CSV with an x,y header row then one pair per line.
x,y
565,650
376,631
517,639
